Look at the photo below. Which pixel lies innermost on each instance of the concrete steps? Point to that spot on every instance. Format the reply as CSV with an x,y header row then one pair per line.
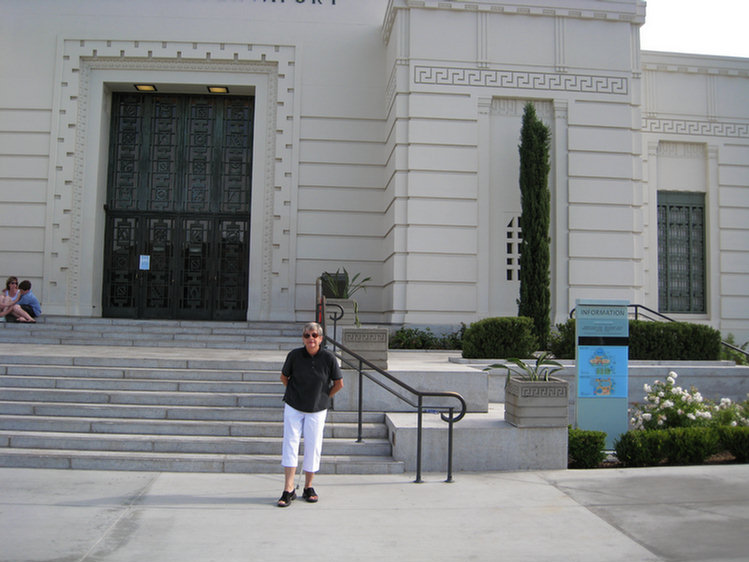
x,y
122,411
183,462
56,330
131,426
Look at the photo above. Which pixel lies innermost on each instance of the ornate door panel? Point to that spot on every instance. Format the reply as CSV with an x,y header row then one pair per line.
x,y
178,195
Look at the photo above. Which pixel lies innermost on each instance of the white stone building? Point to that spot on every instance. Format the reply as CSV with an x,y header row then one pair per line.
x,y
376,135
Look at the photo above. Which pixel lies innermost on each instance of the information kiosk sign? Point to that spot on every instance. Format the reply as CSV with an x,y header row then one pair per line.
x,y
602,358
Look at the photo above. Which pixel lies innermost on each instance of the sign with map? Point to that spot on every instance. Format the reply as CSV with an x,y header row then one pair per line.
x,y
602,371
602,357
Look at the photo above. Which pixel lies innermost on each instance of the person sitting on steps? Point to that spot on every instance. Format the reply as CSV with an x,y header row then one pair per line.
x,y
11,288
13,312
28,300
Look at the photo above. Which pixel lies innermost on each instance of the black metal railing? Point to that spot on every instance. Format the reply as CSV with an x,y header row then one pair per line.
x,y
370,371
414,398
642,312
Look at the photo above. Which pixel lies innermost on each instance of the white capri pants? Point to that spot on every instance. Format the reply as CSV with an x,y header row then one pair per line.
x,y
295,425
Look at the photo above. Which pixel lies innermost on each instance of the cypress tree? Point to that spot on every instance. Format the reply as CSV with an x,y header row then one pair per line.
x,y
535,199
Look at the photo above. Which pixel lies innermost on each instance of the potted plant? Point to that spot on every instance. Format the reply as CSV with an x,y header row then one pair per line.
x,y
534,398
370,342
339,288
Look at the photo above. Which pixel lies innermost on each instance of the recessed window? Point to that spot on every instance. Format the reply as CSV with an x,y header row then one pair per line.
x,y
681,252
512,248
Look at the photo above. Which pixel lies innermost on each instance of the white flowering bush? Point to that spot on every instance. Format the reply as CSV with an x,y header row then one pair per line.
x,y
669,405
730,413
678,426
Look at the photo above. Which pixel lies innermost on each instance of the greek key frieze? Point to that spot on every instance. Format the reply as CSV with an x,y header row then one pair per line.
x,y
353,337
543,392
696,128
454,76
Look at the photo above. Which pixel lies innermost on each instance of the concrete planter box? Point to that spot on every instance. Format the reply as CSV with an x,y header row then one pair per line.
x,y
370,343
537,403
349,311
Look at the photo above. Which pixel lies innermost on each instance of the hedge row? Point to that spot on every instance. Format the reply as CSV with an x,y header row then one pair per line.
x,y
500,337
681,445
676,341
585,448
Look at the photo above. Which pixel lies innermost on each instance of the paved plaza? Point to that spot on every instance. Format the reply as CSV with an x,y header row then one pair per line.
x,y
698,513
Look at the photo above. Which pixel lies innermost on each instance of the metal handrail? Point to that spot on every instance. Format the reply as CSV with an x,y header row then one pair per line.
x,y
637,315
417,402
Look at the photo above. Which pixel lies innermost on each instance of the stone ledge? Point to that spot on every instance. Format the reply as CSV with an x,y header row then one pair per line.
x,y
481,442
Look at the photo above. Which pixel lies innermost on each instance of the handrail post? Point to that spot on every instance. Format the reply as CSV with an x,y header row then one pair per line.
x,y
335,317
320,306
361,402
420,395
418,441
450,448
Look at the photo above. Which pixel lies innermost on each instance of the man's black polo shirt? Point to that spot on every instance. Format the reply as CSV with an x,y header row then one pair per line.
x,y
310,379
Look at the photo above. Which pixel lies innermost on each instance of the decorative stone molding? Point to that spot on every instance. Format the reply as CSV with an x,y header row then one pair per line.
x,y
515,107
80,58
696,128
512,79
537,403
370,343
391,89
636,14
688,150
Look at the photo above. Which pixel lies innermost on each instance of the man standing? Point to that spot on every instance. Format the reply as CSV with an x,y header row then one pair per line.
x,y
311,376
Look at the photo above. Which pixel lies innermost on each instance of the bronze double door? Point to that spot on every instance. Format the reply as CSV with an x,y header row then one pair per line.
x,y
178,207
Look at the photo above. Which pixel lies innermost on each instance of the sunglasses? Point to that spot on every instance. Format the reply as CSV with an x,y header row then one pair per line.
x,y
312,335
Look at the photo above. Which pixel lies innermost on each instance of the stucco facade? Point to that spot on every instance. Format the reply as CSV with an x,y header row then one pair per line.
x,y
385,140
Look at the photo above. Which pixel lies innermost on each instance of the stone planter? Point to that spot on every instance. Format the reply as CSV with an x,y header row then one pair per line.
x,y
537,403
349,311
370,343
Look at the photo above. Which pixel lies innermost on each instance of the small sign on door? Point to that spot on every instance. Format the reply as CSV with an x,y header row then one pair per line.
x,y
145,263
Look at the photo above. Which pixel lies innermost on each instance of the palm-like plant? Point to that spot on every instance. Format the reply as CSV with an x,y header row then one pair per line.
x,y
540,371
346,289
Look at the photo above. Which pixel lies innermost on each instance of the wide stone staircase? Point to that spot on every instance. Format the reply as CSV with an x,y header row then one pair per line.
x,y
53,330
161,396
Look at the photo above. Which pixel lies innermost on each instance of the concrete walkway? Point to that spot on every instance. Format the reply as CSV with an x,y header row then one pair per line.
x,y
696,513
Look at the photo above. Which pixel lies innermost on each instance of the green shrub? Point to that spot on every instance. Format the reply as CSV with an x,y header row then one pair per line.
x,y
676,445
735,440
499,338
585,448
680,341
641,447
416,338
729,354
562,340
413,338
454,340
690,445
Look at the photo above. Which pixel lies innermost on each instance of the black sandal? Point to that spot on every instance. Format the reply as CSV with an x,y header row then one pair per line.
x,y
286,498
310,495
